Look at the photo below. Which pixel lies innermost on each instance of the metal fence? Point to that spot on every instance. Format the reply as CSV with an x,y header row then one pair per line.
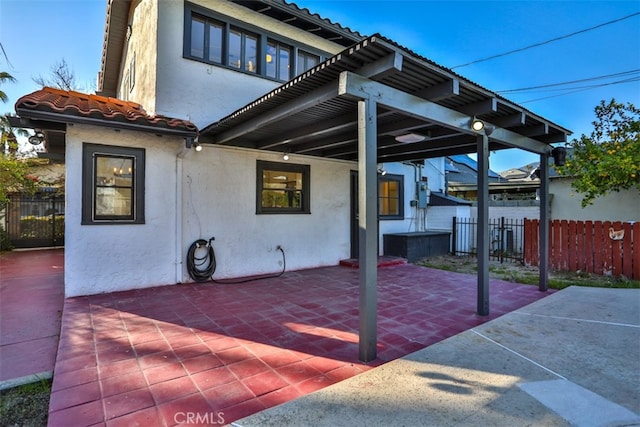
x,y
35,221
506,237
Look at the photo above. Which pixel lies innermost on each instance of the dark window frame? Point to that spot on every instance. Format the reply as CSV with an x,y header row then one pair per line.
x,y
192,10
400,180
305,201
90,152
279,47
305,56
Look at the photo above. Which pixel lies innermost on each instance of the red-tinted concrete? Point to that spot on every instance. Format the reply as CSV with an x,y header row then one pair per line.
x,y
31,299
217,353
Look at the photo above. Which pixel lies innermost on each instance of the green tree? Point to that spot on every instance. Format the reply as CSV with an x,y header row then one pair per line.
x,y
4,78
14,172
609,159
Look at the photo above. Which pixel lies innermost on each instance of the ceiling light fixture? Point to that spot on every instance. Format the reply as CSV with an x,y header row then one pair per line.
x,y
410,138
285,156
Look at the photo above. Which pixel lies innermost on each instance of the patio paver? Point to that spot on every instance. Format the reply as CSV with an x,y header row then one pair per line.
x,y
154,356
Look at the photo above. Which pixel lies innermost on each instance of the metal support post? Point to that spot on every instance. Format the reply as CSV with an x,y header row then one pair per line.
x,y
368,229
544,223
483,241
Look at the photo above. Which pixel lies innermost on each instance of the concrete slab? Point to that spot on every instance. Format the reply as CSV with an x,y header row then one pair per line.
x,y
586,338
578,405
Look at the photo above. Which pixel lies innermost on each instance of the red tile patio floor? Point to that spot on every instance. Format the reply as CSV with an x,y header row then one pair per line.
x,y
154,356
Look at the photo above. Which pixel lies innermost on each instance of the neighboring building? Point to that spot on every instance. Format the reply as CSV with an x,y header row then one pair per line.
x,y
615,206
462,178
565,202
253,83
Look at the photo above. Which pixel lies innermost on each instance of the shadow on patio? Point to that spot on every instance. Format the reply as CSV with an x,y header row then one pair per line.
x,y
226,351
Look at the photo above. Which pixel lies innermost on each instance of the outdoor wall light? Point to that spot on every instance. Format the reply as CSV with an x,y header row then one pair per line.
x,y
197,146
559,156
478,125
410,138
37,138
285,156
381,171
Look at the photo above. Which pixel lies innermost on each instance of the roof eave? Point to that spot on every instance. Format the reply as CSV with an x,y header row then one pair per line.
x,y
72,119
114,36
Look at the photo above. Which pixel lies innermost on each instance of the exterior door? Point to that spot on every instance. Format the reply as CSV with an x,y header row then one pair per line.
x,y
355,227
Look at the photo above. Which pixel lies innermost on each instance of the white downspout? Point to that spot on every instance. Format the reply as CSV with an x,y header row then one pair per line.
x,y
178,215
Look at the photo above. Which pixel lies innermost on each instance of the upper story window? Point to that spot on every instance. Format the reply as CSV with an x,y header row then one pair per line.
x,y
223,41
278,60
206,39
243,50
306,61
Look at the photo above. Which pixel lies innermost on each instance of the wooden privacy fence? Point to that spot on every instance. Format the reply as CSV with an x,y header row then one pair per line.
x,y
587,246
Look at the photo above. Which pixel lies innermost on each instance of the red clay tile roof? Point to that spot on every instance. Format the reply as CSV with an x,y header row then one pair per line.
x,y
49,103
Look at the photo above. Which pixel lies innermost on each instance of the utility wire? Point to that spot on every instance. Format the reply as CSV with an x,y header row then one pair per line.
x,y
533,88
545,42
583,88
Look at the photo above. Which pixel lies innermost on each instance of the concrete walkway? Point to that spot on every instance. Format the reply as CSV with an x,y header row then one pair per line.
x,y
572,358
31,299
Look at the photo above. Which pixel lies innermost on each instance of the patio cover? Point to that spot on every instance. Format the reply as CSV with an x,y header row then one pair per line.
x,y
355,104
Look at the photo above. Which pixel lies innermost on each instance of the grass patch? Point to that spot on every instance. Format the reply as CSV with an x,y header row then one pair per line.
x,y
514,272
26,405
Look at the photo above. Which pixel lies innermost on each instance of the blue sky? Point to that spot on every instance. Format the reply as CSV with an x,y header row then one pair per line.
x,y
37,33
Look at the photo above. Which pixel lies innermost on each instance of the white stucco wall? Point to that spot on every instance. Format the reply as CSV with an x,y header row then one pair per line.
x,y
142,48
105,258
510,212
216,196
204,93
565,204
220,201
441,217
434,171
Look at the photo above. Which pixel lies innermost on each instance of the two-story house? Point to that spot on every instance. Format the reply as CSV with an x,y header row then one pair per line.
x,y
260,124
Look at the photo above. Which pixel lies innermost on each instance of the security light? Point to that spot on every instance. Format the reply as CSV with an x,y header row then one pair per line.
x,y
477,125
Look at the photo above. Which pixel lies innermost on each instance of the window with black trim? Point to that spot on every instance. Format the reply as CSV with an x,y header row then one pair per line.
x,y
390,196
112,184
278,60
223,41
206,39
243,50
306,61
282,188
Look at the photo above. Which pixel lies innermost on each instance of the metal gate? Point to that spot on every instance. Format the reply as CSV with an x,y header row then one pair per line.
x,y
35,221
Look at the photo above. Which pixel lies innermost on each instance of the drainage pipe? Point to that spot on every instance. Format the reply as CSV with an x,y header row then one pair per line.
x,y
178,214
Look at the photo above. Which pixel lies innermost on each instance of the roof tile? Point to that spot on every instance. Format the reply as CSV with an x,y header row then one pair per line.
x,y
77,104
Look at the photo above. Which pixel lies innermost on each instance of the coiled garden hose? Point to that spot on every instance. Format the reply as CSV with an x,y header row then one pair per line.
x,y
202,268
